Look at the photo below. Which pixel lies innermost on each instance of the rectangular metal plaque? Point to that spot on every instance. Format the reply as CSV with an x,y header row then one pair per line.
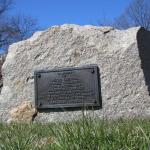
x,y
68,88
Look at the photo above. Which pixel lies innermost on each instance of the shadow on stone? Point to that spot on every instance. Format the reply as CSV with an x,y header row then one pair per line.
x,y
68,109
143,39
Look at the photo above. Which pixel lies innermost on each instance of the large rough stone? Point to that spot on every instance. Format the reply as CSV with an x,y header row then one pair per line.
x,y
122,56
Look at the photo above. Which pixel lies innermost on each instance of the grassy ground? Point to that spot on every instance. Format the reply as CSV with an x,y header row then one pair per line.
x,y
85,134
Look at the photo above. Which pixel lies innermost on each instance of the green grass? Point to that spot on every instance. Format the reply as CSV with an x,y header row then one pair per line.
x,y
85,134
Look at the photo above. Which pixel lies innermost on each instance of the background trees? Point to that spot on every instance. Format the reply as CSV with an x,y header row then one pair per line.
x,y
136,14
14,28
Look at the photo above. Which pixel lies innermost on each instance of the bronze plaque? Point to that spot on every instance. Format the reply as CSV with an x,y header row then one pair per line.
x,y
68,88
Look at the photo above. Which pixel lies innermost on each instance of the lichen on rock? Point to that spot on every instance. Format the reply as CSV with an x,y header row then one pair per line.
x,y
24,113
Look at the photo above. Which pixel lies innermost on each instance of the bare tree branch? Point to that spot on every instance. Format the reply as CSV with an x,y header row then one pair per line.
x,y
16,28
137,14
23,26
5,5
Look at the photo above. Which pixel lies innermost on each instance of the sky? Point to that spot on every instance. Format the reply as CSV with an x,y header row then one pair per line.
x,y
82,12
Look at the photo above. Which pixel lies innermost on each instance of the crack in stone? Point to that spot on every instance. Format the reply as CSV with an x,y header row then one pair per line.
x,y
105,32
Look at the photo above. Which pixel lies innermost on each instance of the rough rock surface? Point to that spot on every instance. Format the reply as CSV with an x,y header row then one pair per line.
x,y
122,56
